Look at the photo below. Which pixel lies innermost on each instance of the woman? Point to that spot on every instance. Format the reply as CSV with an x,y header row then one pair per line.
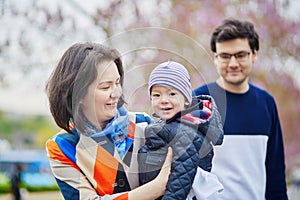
x,y
95,155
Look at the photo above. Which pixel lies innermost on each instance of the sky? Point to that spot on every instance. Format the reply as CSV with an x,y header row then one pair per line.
x,y
24,93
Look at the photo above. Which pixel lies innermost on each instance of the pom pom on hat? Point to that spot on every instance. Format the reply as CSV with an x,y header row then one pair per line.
x,y
174,75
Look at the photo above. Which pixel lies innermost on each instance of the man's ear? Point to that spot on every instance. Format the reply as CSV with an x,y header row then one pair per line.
x,y
254,56
215,60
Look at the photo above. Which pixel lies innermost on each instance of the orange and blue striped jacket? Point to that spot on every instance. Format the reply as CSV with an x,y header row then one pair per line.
x,y
85,169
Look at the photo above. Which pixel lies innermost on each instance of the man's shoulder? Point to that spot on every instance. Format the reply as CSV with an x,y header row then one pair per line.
x,y
205,89
258,91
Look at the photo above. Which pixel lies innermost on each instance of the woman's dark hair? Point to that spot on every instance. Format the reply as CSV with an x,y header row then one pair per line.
x,y
69,82
232,29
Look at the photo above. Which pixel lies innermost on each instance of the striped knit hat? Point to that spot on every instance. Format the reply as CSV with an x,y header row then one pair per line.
x,y
174,75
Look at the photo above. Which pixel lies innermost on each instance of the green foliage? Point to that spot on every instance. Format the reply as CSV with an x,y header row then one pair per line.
x,y
5,186
40,128
39,188
6,126
4,183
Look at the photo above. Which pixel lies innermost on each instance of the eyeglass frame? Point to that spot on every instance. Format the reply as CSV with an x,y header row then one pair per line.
x,y
235,55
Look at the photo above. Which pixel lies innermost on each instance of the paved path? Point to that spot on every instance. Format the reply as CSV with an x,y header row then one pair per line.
x,y
294,193
36,196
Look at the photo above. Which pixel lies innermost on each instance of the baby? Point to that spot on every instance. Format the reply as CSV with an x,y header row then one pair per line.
x,y
190,125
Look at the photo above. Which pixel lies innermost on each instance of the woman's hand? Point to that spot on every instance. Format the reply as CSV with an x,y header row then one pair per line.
x,y
163,176
157,186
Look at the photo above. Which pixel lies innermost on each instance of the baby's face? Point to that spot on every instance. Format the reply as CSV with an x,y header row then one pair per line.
x,y
167,101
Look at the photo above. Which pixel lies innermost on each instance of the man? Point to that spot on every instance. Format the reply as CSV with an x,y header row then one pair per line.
x,y
250,162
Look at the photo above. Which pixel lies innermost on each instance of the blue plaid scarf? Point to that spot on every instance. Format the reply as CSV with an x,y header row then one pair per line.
x,y
116,130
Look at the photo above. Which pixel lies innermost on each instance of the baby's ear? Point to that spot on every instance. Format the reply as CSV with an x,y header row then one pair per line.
x,y
186,103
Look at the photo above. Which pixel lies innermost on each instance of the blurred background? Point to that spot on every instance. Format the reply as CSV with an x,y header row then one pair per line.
x,y
34,35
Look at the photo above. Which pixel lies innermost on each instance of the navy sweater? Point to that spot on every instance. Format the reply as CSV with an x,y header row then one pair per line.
x,y
250,163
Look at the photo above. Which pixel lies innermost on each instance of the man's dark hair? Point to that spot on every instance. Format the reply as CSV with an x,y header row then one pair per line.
x,y
232,29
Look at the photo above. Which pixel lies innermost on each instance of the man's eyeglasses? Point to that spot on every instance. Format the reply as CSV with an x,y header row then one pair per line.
x,y
241,56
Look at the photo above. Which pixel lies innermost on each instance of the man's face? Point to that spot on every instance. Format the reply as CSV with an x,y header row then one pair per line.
x,y
234,70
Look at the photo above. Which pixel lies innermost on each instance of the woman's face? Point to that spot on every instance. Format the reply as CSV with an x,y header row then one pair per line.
x,y
100,103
